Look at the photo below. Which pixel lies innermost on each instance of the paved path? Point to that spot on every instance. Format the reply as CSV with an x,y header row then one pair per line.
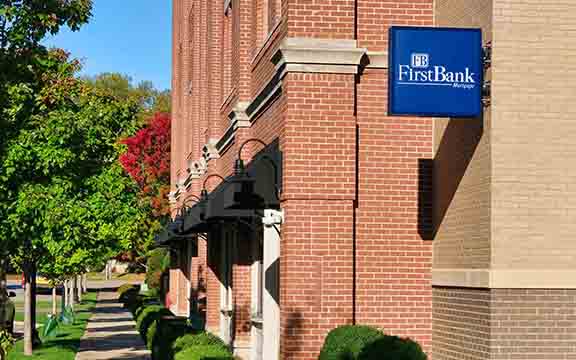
x,y
110,333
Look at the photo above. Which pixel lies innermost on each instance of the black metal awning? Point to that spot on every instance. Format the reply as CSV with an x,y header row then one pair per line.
x,y
238,198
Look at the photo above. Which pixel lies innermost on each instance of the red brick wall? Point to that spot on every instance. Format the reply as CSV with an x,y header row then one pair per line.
x,y
329,19
394,262
317,120
213,284
315,274
375,16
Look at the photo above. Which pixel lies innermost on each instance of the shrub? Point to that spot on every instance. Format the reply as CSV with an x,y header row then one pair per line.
x,y
137,303
125,287
346,342
158,262
166,332
147,316
152,330
127,293
199,339
204,352
356,342
392,348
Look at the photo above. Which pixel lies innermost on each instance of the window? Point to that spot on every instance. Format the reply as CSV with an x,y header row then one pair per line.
x,y
268,14
227,46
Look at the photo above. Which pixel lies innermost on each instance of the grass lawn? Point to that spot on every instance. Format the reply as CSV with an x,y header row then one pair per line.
x,y
65,344
43,308
126,277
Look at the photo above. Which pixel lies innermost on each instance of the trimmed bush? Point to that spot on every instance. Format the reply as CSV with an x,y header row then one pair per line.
x,y
152,331
204,352
166,333
126,287
356,342
128,293
199,339
147,316
346,342
392,348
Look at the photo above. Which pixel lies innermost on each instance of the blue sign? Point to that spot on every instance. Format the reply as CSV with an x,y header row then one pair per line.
x,y
435,72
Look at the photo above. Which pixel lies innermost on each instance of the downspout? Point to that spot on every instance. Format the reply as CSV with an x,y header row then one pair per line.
x,y
357,178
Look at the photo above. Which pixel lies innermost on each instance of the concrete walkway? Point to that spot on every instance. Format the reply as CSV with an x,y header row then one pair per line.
x,y
111,333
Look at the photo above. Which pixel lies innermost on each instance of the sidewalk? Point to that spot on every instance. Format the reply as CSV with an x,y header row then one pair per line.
x,y
111,334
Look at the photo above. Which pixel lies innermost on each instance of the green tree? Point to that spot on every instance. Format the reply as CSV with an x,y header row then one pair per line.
x,y
23,24
64,198
151,100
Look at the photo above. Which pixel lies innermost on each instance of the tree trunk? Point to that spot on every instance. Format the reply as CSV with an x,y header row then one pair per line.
x,y
79,288
2,287
75,289
71,294
64,300
65,294
33,302
85,283
28,336
54,301
2,356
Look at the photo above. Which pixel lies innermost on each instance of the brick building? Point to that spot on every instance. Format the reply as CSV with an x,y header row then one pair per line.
x,y
454,232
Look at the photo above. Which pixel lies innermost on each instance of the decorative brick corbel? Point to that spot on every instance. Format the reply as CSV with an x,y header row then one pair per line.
x,y
238,119
209,151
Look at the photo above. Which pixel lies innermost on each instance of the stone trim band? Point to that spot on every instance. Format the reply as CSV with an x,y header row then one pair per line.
x,y
505,279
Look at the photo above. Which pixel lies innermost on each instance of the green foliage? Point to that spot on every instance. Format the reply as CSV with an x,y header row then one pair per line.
x,y
158,263
26,23
126,288
61,187
357,342
66,344
392,348
152,330
200,339
346,342
121,86
6,342
204,352
147,316
166,334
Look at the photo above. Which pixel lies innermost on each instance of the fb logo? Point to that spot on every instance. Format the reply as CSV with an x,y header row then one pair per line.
x,y
420,60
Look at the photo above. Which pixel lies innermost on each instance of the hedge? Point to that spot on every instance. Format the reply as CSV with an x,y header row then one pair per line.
x,y
392,348
151,334
162,335
204,352
147,316
200,339
346,342
357,342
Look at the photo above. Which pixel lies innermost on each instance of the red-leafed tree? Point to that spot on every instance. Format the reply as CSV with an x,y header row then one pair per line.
x,y
147,161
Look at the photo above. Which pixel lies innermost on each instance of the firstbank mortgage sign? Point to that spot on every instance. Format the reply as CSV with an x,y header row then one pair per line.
x,y
435,72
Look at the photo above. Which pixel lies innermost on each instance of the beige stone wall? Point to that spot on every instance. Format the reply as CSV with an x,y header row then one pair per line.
x,y
534,135
462,164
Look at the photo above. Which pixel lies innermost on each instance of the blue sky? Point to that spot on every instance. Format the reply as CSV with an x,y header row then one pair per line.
x,y
132,37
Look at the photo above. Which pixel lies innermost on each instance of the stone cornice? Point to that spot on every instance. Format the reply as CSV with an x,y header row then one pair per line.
x,y
319,56
377,60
